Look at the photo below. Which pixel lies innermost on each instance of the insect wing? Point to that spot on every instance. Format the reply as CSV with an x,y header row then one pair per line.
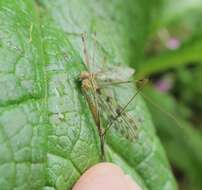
x,y
115,73
123,124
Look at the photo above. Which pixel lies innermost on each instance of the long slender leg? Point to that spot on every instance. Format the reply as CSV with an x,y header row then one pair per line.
x,y
85,52
94,48
102,145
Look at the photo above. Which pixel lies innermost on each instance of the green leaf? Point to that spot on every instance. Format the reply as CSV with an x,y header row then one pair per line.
x,y
172,11
47,134
189,52
177,15
174,137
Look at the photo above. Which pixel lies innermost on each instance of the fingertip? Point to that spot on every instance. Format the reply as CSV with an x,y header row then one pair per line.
x,y
106,176
101,176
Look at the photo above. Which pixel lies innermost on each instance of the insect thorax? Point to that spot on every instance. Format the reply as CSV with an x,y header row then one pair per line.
x,y
85,75
88,81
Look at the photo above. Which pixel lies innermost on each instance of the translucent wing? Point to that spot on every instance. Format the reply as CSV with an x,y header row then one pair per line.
x,y
123,124
115,73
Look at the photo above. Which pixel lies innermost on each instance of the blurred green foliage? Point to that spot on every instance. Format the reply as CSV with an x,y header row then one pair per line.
x,y
181,141
181,136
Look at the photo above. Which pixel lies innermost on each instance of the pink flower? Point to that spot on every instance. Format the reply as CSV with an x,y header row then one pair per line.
x,y
163,85
173,43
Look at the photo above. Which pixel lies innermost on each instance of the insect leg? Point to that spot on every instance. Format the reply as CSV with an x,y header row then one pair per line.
x,y
85,52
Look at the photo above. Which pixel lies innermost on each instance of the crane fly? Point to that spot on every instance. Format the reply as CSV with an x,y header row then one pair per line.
x,y
101,104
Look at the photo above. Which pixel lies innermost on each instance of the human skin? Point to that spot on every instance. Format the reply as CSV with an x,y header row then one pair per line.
x,y
105,176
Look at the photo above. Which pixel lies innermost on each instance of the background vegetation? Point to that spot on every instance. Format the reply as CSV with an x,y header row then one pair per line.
x,y
173,62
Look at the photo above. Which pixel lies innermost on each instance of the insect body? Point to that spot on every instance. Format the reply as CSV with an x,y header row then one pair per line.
x,y
89,88
102,105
